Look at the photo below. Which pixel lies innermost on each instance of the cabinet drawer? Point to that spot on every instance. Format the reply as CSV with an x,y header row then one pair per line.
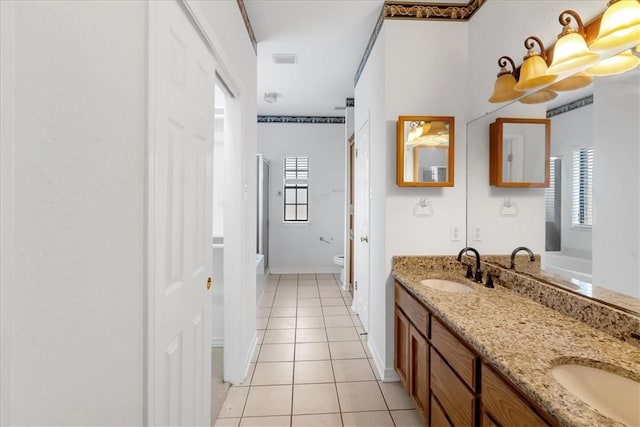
x,y
414,310
504,404
438,418
461,359
456,400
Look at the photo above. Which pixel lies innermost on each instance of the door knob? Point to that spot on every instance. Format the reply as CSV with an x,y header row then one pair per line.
x,y
209,283
364,239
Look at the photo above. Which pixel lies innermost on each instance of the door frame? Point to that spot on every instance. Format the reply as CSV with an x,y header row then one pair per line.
x,y
227,74
7,137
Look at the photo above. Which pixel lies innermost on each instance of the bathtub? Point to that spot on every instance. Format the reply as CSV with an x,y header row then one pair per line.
x,y
567,266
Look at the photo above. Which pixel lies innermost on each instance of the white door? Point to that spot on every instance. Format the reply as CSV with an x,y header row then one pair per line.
x,y
361,213
181,115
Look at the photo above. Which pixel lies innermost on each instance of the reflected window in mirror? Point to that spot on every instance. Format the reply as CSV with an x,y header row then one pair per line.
x,y
519,152
425,151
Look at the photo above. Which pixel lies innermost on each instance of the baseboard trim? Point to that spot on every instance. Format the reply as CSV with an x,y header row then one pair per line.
x,y
304,270
217,342
247,359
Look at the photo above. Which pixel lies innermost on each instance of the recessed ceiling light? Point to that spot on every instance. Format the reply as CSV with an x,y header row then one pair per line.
x,y
285,58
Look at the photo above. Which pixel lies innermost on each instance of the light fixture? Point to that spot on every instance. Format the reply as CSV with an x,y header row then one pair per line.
x,y
577,81
533,72
504,87
571,52
270,97
620,25
618,64
543,95
416,131
438,128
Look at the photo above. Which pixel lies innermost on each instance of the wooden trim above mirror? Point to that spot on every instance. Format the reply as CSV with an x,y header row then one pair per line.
x,y
425,147
534,165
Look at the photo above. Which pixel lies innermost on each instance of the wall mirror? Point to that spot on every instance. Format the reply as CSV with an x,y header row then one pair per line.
x,y
592,255
425,151
519,152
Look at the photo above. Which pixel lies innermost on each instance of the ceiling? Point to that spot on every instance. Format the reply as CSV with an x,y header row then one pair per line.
x,y
329,38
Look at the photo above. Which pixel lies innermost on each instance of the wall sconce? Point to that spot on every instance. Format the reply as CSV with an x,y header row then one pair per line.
x,y
533,72
571,51
621,63
543,95
504,87
620,25
576,81
416,132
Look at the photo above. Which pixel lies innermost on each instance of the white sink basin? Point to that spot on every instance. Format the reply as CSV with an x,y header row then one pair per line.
x,y
447,285
615,396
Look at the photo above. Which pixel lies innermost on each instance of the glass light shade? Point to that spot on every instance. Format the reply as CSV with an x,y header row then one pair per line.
x,y
438,128
570,53
620,25
442,140
543,95
533,73
618,64
504,88
576,81
416,132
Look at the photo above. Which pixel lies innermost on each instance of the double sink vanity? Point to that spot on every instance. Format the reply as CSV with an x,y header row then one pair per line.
x,y
475,356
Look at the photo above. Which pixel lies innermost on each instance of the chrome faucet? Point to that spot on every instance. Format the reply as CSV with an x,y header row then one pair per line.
x,y
478,275
518,249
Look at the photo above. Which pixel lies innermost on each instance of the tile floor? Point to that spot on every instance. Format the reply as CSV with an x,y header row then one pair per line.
x,y
311,367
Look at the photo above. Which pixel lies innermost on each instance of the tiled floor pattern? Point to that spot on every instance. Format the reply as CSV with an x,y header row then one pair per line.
x,y
311,367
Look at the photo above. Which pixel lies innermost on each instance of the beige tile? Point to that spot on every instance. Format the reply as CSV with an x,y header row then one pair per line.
x,y
366,350
356,320
261,322
234,402
287,277
346,350
260,335
312,372
285,302
276,353
320,420
342,334
360,396
395,396
311,335
268,400
315,399
263,312
281,421
330,293
337,321
327,302
227,422
367,419
273,373
307,276
283,312
308,292
249,376
312,351
335,310
308,302
279,336
374,369
325,276
281,323
265,304
352,370
406,418
307,282
309,311
310,322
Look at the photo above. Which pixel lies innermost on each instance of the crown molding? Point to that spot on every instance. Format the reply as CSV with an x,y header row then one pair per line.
x,y
329,120
247,24
431,10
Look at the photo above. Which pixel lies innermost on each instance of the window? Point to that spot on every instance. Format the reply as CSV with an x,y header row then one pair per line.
x,y
550,193
582,201
296,189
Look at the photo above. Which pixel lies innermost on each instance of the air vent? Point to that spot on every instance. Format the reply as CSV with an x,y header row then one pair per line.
x,y
285,58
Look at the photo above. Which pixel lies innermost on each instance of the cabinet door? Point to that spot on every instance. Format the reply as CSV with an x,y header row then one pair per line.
x,y
419,372
503,405
401,357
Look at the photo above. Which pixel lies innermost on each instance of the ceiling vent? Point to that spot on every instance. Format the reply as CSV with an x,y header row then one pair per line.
x,y
285,58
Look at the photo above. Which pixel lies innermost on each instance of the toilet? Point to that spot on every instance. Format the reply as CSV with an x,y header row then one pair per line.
x,y
339,260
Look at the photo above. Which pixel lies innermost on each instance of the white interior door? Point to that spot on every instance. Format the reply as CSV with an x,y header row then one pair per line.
x,y
361,213
181,95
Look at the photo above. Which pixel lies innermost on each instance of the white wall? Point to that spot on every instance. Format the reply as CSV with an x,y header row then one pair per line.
x,y
79,208
296,248
225,20
616,192
570,130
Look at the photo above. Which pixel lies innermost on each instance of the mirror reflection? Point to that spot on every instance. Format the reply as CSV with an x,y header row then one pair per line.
x,y
425,151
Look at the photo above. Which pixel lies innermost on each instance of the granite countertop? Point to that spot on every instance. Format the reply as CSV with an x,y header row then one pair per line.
x,y
524,340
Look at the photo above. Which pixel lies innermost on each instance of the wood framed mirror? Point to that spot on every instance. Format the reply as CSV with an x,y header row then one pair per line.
x,y
425,151
519,152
